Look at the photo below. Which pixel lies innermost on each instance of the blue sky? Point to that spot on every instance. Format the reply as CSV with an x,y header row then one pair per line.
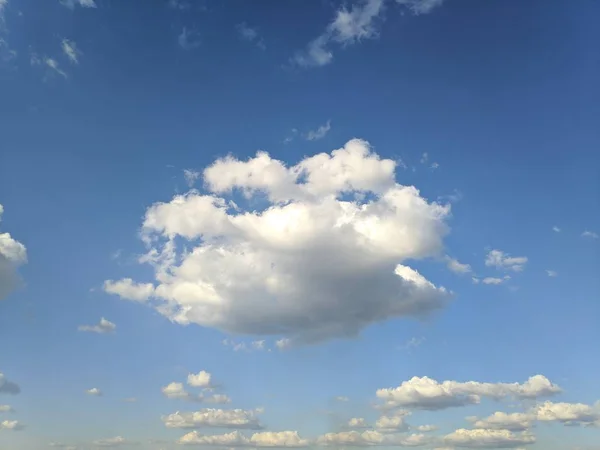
x,y
312,223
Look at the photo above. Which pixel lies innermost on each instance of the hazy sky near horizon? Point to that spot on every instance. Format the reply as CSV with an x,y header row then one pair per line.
x,y
299,224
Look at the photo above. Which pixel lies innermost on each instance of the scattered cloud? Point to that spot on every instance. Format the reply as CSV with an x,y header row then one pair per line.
x,y
53,65
94,392
250,34
357,422
13,425
480,438
319,133
456,266
8,387
177,391
424,158
191,176
495,280
277,439
104,326
589,234
291,136
427,394
202,379
552,273
434,165
6,409
219,399
178,4
426,428
309,254
13,254
214,418
412,343
393,423
503,421
501,260
188,39
370,438
568,413
70,49
258,345
117,441
83,3
283,343
556,229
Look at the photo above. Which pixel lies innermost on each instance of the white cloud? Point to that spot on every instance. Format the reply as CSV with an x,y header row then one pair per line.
x,y
426,428
283,343
13,425
94,391
424,158
392,423
370,438
419,7
250,34
434,165
8,387
504,421
428,394
357,422
556,229
495,280
70,49
191,176
83,3
319,133
6,409
310,254
589,234
568,413
127,289
13,254
53,65
117,441
501,260
456,266
342,398
177,391
480,438
279,439
258,345
201,379
104,326
219,399
214,418
552,273
188,39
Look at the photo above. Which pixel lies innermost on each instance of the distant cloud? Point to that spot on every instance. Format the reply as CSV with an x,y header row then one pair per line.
x,y
501,260
13,425
552,273
257,345
413,343
191,176
456,266
589,234
103,327
8,387
283,343
495,280
250,34
357,422
201,379
214,418
94,392
6,409
176,391
178,4
53,65
187,39
13,254
319,133
424,158
353,25
117,441
481,438
556,229
129,290
70,49
83,3
434,165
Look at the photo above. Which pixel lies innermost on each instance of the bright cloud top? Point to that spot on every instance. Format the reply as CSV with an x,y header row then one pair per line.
x,y
12,255
323,259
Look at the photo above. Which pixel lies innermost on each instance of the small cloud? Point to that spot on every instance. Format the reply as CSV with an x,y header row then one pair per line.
x,y
53,65
341,398
103,327
283,343
219,399
412,343
250,34
475,280
456,266
6,409
556,229
94,391
191,176
8,387
70,49
424,158
13,425
494,280
589,234
83,3
201,379
258,345
319,133
434,166
188,40
130,400
501,260
178,4
552,273
291,137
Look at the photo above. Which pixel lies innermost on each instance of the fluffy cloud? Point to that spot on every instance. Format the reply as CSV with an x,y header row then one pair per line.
x,y
8,387
568,413
357,422
94,391
250,34
176,391
479,438
13,425
371,438
322,260
503,421
426,393
104,326
393,423
12,255
495,280
426,428
589,234
456,266
216,418
501,260
279,439
201,379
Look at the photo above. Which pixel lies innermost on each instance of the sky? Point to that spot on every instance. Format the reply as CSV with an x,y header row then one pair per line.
x,y
306,224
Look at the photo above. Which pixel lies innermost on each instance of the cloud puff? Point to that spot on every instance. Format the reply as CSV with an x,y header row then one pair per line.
x,y
13,425
104,326
6,409
319,133
501,260
201,379
279,439
215,418
568,413
177,391
428,394
479,438
504,421
456,266
357,422
94,391
8,387
12,255
323,259
83,3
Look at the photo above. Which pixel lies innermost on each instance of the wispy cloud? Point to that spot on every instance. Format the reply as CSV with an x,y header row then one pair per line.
x,y
552,273
456,266
556,229
70,49
178,4
83,3
103,327
250,34
501,260
50,63
191,176
589,234
94,392
319,133
188,39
